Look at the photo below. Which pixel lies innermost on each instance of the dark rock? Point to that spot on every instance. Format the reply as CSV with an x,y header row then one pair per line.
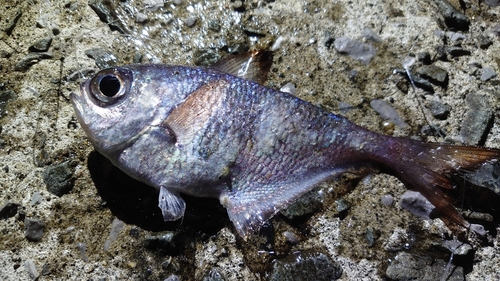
x,y
8,210
41,45
5,97
31,59
412,267
355,49
434,74
102,58
59,178
305,205
477,119
424,57
487,74
496,30
484,42
213,275
432,130
107,12
305,266
487,176
342,205
33,229
206,57
167,241
457,51
11,24
439,110
453,18
422,83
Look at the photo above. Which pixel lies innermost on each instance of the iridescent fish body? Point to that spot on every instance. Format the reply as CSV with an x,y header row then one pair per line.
x,y
217,132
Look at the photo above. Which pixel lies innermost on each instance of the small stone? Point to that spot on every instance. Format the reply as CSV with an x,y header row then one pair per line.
x,y
290,237
355,49
31,59
305,205
190,21
306,266
12,22
453,18
106,11
457,248
434,74
369,34
387,112
41,45
477,118
342,205
424,57
432,130
213,275
31,269
457,51
33,229
59,178
387,200
36,198
484,42
102,58
487,74
496,30
417,204
5,97
439,110
8,210
455,38
141,17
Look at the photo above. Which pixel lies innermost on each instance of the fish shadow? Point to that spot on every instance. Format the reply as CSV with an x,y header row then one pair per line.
x,y
136,203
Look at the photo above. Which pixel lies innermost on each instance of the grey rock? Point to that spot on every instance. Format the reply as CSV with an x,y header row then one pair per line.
x,y
457,248
496,30
5,97
439,110
417,204
355,49
387,112
486,176
432,130
424,57
8,210
59,178
492,3
477,118
387,200
190,21
342,205
487,74
102,58
305,266
453,18
369,34
412,267
41,45
455,51
141,17
12,22
106,10
434,74
31,59
36,198
484,42
33,229
455,38
29,265
213,275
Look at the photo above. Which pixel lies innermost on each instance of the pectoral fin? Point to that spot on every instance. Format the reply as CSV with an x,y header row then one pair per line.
x,y
171,204
191,116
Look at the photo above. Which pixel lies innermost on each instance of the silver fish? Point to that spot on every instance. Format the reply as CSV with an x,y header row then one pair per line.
x,y
217,132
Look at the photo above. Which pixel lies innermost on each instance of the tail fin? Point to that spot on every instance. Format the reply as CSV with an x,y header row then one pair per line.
x,y
425,167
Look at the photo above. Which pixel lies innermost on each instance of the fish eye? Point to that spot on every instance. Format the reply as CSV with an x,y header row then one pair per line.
x,y
110,85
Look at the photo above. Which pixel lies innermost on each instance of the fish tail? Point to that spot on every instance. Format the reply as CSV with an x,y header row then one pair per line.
x,y
426,168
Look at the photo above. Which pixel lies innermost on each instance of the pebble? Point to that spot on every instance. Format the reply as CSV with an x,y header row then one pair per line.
x,y
106,11
486,176
434,74
355,49
387,112
141,17
116,227
487,73
417,204
305,205
31,59
9,27
455,51
424,57
213,275
476,120
457,248
406,266
8,210
484,42
387,200
453,18
496,30
190,21
33,229
439,110
36,198
41,45
103,58
306,266
82,248
29,265
59,178
369,34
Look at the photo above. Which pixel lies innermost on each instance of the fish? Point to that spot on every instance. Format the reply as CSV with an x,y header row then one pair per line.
x,y
218,132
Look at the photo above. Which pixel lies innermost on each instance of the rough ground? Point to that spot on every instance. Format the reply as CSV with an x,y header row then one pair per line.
x,y
59,199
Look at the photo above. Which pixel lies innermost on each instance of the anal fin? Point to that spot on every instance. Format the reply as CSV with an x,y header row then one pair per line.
x,y
171,204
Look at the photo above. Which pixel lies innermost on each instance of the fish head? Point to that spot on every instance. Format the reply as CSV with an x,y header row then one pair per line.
x,y
114,107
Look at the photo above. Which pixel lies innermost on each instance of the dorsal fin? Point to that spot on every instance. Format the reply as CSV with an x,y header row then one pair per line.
x,y
253,65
